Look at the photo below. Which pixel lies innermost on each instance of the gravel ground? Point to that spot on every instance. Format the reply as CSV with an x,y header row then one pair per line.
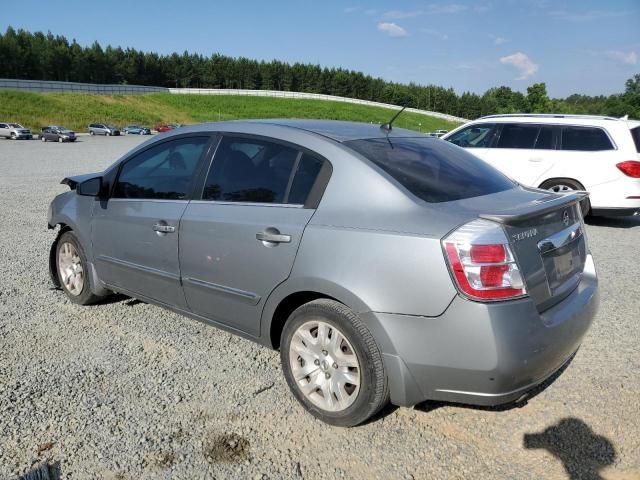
x,y
126,390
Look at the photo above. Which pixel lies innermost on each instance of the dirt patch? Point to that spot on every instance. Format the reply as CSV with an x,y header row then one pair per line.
x,y
226,448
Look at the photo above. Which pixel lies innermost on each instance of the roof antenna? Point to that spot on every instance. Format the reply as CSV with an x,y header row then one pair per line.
x,y
387,126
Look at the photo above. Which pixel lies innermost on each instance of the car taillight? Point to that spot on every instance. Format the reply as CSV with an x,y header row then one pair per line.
x,y
482,263
630,168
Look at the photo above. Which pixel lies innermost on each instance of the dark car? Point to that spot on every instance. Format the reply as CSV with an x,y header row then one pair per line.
x,y
56,133
136,130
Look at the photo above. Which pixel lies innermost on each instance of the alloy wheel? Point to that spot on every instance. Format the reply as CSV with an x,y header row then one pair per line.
x,y
70,268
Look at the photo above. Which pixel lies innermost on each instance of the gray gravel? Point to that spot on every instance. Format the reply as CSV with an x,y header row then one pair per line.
x,y
126,390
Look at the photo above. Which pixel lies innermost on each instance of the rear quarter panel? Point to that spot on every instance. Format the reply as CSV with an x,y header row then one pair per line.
x,y
385,271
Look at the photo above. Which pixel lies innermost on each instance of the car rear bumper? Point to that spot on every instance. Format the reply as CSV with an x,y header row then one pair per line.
x,y
482,354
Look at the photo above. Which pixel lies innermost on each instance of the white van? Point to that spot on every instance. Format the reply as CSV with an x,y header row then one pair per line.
x,y
563,152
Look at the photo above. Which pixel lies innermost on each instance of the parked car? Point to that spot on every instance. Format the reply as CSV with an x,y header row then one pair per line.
x,y
14,131
136,130
383,264
55,133
103,129
163,127
563,153
438,133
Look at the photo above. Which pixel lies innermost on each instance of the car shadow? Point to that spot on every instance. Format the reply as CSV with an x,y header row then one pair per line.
x,y
431,405
614,222
582,452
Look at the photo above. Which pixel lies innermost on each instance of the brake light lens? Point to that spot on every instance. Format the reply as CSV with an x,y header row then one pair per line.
x,y
482,263
630,168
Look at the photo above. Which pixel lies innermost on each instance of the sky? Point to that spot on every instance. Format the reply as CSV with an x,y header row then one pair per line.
x,y
589,46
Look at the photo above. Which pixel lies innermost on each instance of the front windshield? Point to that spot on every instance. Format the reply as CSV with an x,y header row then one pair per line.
x,y
16,125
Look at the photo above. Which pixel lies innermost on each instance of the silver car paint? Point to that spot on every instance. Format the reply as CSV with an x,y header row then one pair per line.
x,y
370,245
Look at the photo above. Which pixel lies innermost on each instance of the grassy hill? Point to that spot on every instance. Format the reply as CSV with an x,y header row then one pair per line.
x,y
77,110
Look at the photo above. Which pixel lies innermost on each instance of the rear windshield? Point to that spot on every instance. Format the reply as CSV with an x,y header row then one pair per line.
x,y
433,170
635,133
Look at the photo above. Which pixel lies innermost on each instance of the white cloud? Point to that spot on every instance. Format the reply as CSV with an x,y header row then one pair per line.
x,y
630,57
521,62
351,9
587,16
392,29
436,8
400,14
436,33
497,39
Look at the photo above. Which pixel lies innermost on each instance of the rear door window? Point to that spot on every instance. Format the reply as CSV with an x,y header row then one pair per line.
x,y
474,136
431,169
248,170
514,135
545,138
586,139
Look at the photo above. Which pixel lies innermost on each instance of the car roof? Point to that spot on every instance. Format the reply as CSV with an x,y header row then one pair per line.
x,y
340,131
548,118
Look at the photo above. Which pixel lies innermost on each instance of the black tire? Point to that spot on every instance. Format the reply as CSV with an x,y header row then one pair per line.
x,y
43,138
373,392
554,183
60,140
91,132
86,296
13,136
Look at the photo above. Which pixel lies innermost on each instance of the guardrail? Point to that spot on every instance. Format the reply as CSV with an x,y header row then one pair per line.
x,y
98,89
95,88
303,95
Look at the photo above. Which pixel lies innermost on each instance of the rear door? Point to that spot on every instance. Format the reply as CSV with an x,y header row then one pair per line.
x,y
524,151
239,241
135,232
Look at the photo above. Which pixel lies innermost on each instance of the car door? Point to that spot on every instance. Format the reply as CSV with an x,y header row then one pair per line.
x,y
524,151
51,134
476,138
239,241
135,232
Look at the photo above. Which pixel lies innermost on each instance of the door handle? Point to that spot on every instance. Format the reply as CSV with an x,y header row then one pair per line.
x,y
163,228
273,237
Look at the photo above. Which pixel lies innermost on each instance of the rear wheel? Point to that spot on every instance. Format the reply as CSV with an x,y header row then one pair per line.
x,y
43,139
333,364
563,185
71,264
13,136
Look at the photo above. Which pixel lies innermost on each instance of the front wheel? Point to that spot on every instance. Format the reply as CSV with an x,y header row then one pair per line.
x,y
43,139
333,364
71,264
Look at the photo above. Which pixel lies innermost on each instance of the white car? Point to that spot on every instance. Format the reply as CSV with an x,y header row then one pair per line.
x,y
563,152
14,131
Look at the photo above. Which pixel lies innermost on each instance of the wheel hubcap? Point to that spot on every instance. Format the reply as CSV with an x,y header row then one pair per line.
x,y
70,268
560,188
324,365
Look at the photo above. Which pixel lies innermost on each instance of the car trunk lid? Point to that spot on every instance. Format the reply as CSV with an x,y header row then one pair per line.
x,y
548,239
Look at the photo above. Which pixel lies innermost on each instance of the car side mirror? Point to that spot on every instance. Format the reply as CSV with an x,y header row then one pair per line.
x,y
90,188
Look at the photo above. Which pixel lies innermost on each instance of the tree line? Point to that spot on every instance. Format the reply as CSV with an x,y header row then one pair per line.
x,y
40,56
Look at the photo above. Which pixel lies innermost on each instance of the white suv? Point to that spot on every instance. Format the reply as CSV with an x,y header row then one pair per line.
x,y
563,152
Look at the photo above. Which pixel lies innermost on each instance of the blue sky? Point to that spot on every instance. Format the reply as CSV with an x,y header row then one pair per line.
x,y
585,46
